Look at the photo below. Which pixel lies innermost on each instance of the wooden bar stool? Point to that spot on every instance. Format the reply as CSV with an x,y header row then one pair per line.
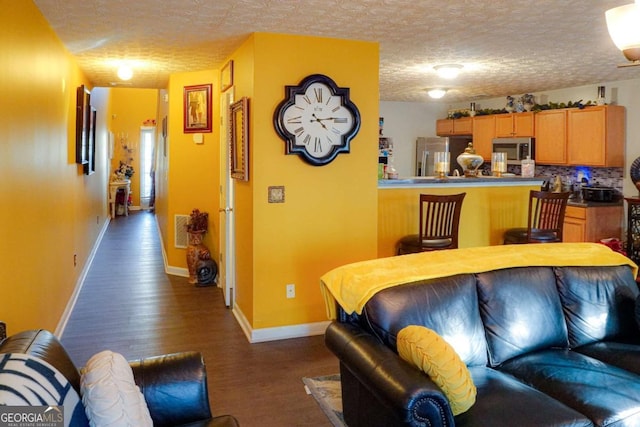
x,y
546,219
438,228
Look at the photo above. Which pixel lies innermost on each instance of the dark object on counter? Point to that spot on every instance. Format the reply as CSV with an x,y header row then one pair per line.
x,y
596,193
546,219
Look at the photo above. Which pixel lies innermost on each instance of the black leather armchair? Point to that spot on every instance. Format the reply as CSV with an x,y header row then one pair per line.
x,y
174,385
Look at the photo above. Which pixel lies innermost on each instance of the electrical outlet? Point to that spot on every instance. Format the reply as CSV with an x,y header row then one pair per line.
x,y
291,290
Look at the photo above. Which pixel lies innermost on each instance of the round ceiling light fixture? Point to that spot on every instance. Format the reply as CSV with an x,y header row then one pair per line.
x,y
125,72
622,23
448,71
436,93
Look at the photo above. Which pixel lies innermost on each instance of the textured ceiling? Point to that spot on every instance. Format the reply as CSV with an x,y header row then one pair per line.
x,y
508,47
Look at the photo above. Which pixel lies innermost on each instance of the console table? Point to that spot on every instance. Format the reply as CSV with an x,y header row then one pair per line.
x,y
114,186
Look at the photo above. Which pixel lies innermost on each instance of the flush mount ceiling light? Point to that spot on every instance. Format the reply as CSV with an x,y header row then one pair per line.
x,y
623,23
436,93
448,71
125,72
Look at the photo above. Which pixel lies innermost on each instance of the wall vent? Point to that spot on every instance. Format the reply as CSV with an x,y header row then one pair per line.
x,y
181,237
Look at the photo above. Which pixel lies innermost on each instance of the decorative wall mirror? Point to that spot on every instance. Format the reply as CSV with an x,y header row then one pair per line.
x,y
239,139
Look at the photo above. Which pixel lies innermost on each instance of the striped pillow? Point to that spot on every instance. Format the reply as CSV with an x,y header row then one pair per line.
x,y
26,380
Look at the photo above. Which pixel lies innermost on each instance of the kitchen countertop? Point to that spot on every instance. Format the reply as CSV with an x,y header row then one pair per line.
x,y
482,181
584,204
459,181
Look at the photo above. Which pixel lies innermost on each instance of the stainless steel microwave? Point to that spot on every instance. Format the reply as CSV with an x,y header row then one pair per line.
x,y
517,149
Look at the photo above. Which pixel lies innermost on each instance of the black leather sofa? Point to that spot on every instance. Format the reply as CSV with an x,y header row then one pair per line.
x,y
174,385
545,346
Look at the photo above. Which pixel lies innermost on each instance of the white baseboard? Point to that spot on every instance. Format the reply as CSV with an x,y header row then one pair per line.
x,y
64,319
174,271
279,332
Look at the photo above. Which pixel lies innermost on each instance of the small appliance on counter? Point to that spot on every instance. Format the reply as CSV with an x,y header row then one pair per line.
x,y
598,193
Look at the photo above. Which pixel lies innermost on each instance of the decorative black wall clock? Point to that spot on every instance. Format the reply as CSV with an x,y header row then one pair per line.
x,y
317,120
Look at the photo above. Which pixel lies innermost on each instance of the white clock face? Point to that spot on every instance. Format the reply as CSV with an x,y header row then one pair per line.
x,y
318,120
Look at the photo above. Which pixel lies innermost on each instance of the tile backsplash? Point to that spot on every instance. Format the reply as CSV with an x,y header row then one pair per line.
x,y
607,177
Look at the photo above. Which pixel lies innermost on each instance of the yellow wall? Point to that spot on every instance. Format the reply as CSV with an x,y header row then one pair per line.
x,y
487,212
188,174
129,109
50,211
329,217
161,204
244,82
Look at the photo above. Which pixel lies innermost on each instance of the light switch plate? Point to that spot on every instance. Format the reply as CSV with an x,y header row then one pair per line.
x,y
276,194
197,138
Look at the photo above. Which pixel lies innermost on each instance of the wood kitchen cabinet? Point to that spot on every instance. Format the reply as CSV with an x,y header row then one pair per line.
x,y
449,127
515,125
591,224
596,136
551,137
484,130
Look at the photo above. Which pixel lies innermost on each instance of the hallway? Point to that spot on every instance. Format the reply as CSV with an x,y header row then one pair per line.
x,y
129,305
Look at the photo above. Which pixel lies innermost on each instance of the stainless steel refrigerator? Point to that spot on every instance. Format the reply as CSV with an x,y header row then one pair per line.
x,y
427,146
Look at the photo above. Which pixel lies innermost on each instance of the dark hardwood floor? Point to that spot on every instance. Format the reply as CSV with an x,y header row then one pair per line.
x,y
129,305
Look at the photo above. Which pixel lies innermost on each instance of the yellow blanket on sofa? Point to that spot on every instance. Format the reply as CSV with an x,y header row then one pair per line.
x,y
352,285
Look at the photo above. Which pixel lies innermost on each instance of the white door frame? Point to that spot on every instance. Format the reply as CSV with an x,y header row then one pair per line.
x,y
227,256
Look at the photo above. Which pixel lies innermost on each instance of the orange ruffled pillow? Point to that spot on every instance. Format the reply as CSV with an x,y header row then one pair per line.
x,y
425,349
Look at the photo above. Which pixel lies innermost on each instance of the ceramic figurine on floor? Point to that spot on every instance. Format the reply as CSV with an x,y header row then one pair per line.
x,y
206,270
196,250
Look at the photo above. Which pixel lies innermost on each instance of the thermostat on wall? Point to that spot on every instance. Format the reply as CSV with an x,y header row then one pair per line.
x,y
197,138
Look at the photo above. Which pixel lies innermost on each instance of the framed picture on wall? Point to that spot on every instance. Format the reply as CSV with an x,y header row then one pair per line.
x,y
197,108
83,117
90,166
164,136
239,139
226,76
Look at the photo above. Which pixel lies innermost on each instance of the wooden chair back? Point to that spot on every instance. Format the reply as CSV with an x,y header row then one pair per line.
x,y
439,221
546,216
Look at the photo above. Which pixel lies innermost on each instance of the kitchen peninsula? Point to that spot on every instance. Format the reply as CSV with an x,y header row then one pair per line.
x,y
491,206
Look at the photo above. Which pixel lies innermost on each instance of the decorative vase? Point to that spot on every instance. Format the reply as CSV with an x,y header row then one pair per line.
x,y
469,161
196,251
